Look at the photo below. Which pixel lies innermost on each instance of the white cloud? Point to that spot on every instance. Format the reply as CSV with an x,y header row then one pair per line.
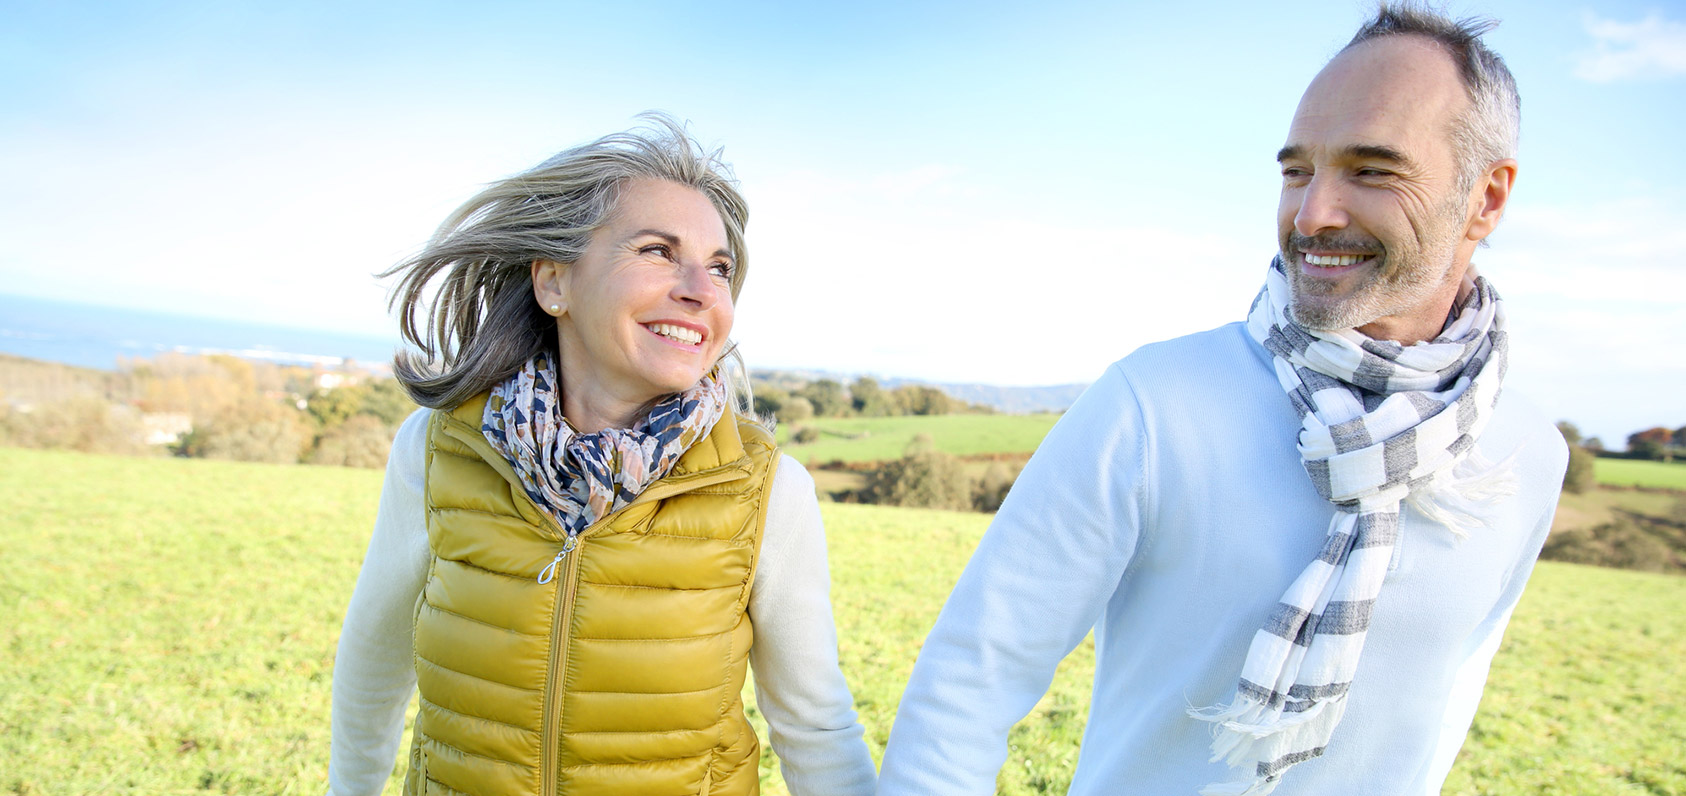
x,y
1653,47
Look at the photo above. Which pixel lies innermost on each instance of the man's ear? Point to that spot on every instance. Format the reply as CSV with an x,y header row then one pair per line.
x,y
1488,201
550,287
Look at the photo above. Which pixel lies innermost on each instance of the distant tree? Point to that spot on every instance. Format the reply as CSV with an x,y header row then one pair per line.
x,y
330,408
993,486
253,430
1593,444
1571,434
827,396
1680,437
924,478
361,441
868,399
770,400
918,399
1580,476
385,400
81,423
1652,443
796,409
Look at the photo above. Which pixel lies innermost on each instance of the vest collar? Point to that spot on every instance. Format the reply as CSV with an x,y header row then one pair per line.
x,y
715,459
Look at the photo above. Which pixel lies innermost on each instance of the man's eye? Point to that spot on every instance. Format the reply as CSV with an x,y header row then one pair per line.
x,y
1373,173
1294,172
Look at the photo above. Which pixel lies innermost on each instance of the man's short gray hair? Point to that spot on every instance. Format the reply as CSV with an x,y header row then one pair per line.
x,y
1488,131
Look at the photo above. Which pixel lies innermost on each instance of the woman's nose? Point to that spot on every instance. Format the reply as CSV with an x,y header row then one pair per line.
x,y
695,286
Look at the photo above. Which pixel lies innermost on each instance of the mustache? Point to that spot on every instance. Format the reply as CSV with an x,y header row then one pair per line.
x,y
1348,242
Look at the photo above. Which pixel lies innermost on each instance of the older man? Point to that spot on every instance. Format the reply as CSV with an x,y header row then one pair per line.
x,y
1297,539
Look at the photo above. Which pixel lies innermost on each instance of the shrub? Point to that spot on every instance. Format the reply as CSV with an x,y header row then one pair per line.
x,y
805,434
83,423
1580,476
796,409
253,430
361,441
923,479
993,487
1621,544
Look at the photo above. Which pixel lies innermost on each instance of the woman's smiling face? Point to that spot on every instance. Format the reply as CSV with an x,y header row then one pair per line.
x,y
647,310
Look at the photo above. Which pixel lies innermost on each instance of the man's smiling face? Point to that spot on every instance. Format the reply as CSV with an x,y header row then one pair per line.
x,y
1372,219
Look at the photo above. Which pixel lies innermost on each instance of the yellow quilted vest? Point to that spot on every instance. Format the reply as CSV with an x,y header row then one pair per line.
x,y
620,676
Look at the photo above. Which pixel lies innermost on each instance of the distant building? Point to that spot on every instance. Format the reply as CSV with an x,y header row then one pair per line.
x,y
165,428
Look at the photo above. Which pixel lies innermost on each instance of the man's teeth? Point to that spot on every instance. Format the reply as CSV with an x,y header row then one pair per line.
x,y
1335,260
679,333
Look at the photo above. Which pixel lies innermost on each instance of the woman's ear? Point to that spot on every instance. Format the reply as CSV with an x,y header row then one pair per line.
x,y
549,287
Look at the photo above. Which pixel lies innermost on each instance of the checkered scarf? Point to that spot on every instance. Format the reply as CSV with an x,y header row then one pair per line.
x,y
1380,424
579,478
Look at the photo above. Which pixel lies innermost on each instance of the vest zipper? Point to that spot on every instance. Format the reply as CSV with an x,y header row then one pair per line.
x,y
548,574
549,782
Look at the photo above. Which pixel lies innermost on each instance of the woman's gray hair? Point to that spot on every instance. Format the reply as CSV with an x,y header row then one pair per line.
x,y
1489,130
484,323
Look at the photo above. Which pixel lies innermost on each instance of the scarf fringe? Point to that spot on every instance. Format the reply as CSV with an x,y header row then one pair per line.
x,y
1475,483
1245,727
1246,731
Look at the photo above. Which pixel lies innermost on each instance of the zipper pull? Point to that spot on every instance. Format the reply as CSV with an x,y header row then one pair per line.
x,y
548,574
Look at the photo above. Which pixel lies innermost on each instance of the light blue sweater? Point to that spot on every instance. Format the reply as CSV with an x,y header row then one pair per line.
x,y
1168,510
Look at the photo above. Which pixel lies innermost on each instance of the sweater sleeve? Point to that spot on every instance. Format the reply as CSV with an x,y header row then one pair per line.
x,y
1037,583
799,686
374,673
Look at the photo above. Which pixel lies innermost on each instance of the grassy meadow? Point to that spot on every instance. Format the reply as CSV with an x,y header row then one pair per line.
x,y
1641,472
167,626
868,439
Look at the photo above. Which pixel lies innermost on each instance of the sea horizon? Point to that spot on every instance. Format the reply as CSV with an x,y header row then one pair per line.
x,y
100,337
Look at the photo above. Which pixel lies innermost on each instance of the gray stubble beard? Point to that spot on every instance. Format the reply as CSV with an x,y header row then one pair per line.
x,y
1392,287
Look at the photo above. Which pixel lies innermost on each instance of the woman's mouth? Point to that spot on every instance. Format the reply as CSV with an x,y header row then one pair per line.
x,y
677,334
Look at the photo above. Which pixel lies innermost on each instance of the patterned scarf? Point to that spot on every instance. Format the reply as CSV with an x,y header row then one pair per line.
x,y
580,478
1380,424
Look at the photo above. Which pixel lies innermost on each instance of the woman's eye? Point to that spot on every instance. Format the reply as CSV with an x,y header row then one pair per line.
x,y
657,249
721,270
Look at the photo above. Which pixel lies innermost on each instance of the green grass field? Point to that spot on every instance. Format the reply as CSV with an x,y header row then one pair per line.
x,y
1639,472
167,626
866,439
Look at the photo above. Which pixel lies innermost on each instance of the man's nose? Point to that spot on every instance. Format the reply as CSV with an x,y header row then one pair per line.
x,y
1322,207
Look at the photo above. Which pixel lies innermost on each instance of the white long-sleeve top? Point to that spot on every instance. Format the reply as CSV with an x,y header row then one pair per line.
x,y
1168,510
798,686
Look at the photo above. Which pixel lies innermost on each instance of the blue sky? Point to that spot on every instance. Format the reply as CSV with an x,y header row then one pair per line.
x,y
1005,193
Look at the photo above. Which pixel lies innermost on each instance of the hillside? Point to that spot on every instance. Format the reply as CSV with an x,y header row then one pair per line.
x,y
1012,400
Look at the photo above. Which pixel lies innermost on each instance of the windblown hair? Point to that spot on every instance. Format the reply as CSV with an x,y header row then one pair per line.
x,y
484,323
1488,131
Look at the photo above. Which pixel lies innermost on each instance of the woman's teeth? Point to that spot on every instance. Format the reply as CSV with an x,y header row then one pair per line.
x,y
1335,260
677,333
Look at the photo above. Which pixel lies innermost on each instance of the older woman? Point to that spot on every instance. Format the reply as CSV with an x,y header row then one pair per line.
x,y
577,535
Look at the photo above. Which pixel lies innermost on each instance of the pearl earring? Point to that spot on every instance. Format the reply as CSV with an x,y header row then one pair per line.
x,y
555,309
